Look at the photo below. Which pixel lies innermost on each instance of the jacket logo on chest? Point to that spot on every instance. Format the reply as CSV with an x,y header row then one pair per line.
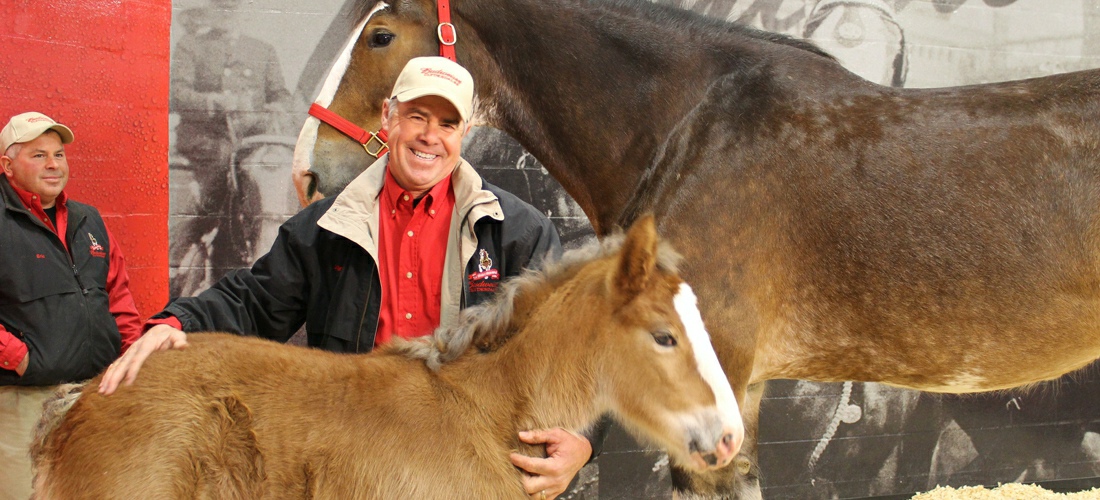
x,y
95,248
486,279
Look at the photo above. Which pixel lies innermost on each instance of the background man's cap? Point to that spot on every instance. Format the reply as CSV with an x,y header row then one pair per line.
x,y
436,76
27,127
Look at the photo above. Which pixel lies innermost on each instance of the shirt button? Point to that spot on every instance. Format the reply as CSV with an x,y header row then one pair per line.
x,y
393,212
408,315
432,211
409,275
410,234
406,197
5,363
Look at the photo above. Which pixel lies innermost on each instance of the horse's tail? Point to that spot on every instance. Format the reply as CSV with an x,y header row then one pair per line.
x,y
42,452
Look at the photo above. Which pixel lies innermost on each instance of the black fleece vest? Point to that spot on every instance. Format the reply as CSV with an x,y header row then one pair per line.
x,y
56,301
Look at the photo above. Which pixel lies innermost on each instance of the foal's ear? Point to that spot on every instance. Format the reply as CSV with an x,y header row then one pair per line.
x,y
637,260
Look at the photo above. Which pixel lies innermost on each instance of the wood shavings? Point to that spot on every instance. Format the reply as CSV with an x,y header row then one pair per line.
x,y
1011,491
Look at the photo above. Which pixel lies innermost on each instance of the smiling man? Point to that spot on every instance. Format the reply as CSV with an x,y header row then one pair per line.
x,y
65,304
416,237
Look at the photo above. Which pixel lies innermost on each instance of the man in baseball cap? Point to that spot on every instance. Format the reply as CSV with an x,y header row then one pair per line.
x,y
419,235
70,312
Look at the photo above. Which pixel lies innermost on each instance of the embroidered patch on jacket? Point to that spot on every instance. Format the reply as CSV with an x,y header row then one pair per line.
x,y
96,249
486,279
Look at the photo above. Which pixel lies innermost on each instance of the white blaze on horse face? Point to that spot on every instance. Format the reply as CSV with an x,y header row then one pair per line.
x,y
307,138
707,360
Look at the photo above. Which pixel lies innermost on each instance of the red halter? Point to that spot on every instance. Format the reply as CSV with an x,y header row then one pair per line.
x,y
447,35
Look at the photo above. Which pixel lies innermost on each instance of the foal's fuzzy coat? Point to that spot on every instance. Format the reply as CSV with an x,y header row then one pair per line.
x,y
236,417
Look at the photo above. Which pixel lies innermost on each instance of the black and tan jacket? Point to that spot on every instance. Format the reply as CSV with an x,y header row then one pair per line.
x,y
322,269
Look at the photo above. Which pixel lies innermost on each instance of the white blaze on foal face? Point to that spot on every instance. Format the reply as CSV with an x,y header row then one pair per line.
x,y
711,370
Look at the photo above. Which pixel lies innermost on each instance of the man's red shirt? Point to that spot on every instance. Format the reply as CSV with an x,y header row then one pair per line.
x,y
412,247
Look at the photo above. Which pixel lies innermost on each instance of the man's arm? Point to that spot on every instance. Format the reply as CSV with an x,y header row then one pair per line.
x,y
268,299
122,304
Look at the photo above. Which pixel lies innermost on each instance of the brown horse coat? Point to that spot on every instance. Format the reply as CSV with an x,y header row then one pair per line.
x,y
834,229
240,417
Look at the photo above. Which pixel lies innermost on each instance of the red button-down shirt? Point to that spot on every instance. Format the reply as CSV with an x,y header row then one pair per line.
x,y
412,247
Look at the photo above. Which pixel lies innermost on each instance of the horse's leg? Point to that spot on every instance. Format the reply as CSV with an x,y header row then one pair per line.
x,y
741,479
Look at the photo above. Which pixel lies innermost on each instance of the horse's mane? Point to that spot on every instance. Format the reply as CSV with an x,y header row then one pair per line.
x,y
489,325
683,19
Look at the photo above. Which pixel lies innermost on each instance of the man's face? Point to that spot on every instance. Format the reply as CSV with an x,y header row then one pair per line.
x,y
39,167
425,140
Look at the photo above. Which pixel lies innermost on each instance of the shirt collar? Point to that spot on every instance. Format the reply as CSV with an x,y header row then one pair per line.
x,y
393,194
33,202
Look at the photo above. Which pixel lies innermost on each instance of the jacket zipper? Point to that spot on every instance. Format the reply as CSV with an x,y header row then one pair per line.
x,y
363,317
72,261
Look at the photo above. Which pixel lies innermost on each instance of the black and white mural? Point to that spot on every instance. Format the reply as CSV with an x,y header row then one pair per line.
x,y
244,71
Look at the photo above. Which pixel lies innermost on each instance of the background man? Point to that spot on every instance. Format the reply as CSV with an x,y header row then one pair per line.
x,y
65,306
416,237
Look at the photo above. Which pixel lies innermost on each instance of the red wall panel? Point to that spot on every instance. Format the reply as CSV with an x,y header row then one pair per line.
x,y
101,67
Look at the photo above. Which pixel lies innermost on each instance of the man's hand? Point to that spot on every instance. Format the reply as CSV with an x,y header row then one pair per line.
x,y
125,369
566,453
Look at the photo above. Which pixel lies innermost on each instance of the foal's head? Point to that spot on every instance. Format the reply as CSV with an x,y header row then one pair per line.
x,y
619,325
661,374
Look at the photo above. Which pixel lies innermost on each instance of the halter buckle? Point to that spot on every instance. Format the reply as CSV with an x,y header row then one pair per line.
x,y
451,35
381,145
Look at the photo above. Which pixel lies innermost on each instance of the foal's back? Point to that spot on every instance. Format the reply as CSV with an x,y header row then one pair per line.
x,y
261,419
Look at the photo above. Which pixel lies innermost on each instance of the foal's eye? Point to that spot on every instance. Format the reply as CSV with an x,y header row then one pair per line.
x,y
664,338
381,38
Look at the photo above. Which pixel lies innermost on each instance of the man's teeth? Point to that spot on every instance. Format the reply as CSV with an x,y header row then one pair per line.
x,y
424,156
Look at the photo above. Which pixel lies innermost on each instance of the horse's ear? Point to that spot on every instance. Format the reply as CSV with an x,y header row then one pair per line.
x,y
637,260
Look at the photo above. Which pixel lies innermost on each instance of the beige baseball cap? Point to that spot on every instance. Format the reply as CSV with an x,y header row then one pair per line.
x,y
27,127
436,76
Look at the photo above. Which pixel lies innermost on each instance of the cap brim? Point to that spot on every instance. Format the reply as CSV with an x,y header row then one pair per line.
x,y
66,134
416,93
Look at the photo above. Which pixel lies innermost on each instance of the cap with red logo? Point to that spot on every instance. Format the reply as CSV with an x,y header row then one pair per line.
x,y
436,76
27,127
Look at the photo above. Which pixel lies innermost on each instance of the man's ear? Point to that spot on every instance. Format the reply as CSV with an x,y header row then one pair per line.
x,y
5,163
385,114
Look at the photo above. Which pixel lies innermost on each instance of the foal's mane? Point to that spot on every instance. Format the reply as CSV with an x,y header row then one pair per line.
x,y
489,325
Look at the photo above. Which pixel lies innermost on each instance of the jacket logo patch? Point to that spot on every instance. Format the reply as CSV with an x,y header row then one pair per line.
x,y
486,279
96,249
39,256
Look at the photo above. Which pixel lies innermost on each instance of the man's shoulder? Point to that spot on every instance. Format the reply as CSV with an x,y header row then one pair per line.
x,y
511,204
76,207
313,212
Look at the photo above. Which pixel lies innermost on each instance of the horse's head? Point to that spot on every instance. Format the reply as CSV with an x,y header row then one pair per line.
x,y
391,33
664,377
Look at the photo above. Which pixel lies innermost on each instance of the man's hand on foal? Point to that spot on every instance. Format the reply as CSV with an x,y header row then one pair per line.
x,y
566,453
125,369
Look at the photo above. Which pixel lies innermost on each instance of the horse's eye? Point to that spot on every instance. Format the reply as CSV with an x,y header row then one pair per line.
x,y
381,38
664,338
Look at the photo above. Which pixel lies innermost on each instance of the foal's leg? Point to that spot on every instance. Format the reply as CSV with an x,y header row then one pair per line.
x,y
741,479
